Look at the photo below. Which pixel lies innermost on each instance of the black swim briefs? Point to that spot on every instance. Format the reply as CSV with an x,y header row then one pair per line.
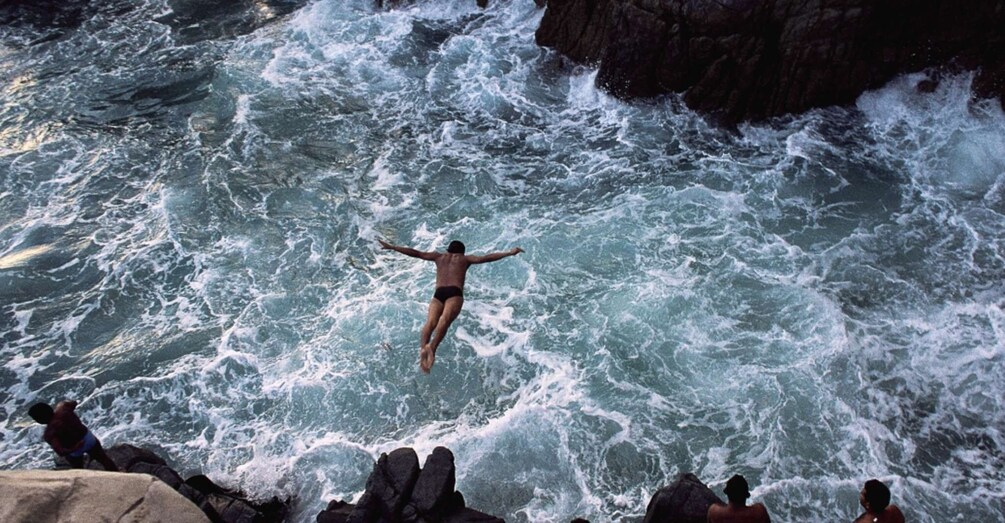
x,y
445,293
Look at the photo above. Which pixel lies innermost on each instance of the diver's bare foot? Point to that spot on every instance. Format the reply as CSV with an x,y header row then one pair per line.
x,y
426,356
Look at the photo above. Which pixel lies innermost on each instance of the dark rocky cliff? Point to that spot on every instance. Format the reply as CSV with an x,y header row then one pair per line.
x,y
752,59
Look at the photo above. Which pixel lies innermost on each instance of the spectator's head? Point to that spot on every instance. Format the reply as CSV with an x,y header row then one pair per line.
x,y
876,495
41,412
456,247
737,489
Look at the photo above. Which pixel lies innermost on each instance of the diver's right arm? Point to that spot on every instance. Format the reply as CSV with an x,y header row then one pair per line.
x,y
408,251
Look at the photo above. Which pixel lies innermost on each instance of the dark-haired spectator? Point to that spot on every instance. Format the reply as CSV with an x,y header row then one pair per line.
x,y
737,511
68,436
875,499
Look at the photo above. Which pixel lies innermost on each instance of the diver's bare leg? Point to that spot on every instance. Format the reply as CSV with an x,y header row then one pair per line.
x,y
450,311
435,311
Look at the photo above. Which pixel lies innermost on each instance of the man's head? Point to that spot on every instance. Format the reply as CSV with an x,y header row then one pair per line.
x,y
41,412
455,247
876,494
737,489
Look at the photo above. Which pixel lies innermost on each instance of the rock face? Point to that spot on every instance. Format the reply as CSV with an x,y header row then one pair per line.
x,y
683,501
751,59
218,505
86,495
398,491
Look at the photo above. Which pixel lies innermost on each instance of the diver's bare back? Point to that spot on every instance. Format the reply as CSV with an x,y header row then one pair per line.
x,y
451,269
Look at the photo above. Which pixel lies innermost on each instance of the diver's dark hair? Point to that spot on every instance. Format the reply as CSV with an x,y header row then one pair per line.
x,y
737,489
456,247
41,412
877,494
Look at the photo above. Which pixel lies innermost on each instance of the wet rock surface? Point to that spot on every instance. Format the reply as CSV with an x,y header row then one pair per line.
x,y
399,491
751,59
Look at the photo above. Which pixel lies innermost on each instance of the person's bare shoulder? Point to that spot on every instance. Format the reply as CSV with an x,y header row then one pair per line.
x,y
761,512
714,511
896,516
863,518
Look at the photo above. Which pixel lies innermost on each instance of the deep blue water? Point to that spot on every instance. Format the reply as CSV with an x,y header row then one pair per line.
x,y
190,199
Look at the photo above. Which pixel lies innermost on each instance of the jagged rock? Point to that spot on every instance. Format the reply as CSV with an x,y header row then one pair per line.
x,y
686,500
388,488
467,515
751,59
205,485
433,492
173,480
86,495
337,511
232,507
126,457
161,472
397,491
990,82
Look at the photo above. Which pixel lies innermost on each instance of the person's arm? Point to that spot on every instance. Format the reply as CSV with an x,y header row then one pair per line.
x,y
408,251
495,256
53,442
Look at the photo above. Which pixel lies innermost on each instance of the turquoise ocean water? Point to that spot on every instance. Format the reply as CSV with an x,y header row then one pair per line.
x,y
190,200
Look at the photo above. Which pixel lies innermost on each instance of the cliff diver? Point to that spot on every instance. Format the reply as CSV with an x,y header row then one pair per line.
x,y
451,268
68,436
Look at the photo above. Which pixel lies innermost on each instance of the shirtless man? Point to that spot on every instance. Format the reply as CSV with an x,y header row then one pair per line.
x,y
451,268
737,511
875,499
68,436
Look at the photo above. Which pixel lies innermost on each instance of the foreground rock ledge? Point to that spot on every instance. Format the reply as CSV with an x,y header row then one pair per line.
x,y
218,504
86,495
752,59
398,491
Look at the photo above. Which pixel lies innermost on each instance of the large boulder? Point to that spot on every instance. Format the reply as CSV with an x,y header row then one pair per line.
x,y
398,491
86,495
219,504
686,500
752,59
388,488
228,506
434,490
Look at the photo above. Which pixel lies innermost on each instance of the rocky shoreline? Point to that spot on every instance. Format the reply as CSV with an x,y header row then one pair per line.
x,y
750,59
397,491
